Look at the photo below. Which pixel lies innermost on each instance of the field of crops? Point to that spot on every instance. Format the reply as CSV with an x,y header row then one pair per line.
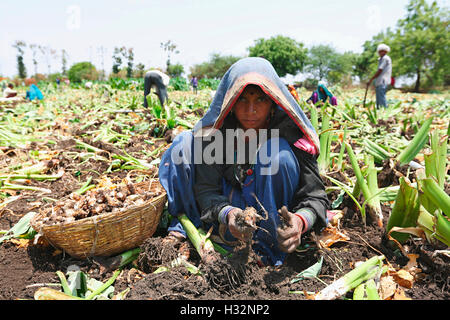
x,y
383,169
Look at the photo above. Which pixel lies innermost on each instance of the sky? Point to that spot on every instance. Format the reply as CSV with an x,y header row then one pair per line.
x,y
199,28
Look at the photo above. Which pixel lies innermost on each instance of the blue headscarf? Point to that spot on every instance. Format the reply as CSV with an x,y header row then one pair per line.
x,y
323,96
260,72
34,93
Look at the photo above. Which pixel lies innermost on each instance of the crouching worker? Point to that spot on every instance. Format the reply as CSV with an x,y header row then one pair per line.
x,y
157,81
254,147
9,92
322,94
34,93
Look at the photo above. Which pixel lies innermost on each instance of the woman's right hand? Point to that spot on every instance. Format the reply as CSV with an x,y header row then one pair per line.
x,y
239,231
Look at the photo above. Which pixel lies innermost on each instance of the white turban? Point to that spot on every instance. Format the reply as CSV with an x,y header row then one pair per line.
x,y
383,47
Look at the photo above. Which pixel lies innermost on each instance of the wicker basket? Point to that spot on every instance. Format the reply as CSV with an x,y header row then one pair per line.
x,y
106,234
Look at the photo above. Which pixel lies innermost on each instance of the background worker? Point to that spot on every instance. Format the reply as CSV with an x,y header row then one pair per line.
x,y
157,80
383,75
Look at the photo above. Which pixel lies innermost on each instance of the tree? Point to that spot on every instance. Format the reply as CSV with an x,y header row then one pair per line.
x,y
175,70
64,61
419,46
139,72
34,51
20,46
286,54
130,58
422,42
170,48
321,60
102,51
215,68
117,59
82,71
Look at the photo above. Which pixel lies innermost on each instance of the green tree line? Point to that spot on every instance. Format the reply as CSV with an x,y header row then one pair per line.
x,y
419,43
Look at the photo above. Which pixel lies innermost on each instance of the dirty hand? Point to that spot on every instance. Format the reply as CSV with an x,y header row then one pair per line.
x,y
289,235
240,231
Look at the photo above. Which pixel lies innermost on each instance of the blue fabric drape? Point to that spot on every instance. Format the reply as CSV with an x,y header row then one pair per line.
x,y
177,176
177,169
34,93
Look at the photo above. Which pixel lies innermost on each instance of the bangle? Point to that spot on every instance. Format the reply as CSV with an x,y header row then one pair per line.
x,y
224,213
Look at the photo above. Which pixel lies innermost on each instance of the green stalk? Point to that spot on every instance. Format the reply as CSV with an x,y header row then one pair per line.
x,y
405,211
10,186
86,186
365,271
372,183
34,169
180,261
202,245
433,192
378,152
371,290
217,247
436,161
325,141
39,177
358,293
359,176
88,147
64,283
314,118
341,152
105,286
128,256
416,144
442,227
428,223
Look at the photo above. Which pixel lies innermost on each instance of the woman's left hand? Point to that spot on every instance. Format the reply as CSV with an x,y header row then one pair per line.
x,y
289,236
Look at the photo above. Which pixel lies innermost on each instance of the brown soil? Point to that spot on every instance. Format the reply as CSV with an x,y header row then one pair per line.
x,y
25,266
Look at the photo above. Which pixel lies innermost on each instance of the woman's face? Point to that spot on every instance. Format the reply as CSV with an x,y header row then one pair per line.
x,y
252,108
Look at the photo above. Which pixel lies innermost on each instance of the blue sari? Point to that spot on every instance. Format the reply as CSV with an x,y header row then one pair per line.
x,y
273,191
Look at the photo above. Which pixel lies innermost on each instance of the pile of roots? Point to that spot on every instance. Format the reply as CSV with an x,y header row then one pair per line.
x,y
96,202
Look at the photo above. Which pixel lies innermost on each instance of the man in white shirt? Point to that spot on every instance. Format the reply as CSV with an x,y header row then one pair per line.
x,y
383,75
9,92
158,81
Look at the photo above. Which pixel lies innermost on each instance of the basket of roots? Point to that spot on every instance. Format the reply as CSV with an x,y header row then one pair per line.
x,y
103,221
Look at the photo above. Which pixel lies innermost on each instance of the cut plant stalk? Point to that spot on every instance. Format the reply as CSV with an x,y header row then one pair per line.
x,y
378,152
52,294
38,177
202,244
11,186
325,141
365,271
436,160
372,183
105,286
341,151
434,192
405,211
374,209
428,223
416,144
86,186
117,262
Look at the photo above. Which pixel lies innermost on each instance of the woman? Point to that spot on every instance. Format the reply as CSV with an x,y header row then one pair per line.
x,y
253,148
322,94
34,93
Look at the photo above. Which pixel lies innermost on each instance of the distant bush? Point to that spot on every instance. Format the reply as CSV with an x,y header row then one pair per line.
x,y
179,84
82,71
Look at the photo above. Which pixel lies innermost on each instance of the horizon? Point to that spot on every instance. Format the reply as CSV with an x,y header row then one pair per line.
x,y
199,28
